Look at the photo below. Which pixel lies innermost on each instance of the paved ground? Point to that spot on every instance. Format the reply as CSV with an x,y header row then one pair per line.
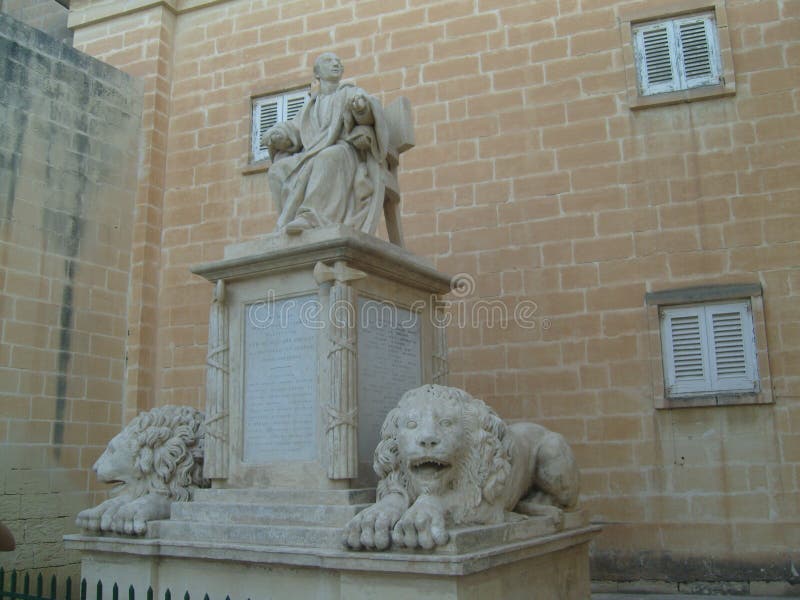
x,y
636,596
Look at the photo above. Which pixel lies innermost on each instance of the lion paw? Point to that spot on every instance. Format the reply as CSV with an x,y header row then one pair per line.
x,y
371,528
422,525
94,518
132,518
88,519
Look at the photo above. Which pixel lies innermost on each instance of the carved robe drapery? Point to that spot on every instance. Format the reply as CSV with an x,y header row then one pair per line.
x,y
323,177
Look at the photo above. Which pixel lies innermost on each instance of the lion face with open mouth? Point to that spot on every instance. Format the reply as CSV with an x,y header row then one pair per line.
x,y
431,441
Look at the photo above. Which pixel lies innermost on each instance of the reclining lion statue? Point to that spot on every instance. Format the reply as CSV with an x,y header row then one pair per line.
x,y
156,460
445,458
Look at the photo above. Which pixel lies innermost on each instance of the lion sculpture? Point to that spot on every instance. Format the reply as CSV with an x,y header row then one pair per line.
x,y
445,458
156,460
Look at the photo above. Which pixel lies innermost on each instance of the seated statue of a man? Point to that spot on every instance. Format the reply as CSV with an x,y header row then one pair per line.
x,y
327,160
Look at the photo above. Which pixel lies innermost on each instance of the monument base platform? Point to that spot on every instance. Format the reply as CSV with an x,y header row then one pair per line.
x,y
257,544
553,566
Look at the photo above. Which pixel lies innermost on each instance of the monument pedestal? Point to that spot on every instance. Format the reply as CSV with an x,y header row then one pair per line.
x,y
312,340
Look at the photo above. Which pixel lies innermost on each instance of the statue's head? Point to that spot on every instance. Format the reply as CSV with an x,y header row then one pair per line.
x,y
328,67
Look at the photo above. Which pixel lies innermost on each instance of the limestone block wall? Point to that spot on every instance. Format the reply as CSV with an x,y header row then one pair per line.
x,y
68,161
141,43
534,177
45,15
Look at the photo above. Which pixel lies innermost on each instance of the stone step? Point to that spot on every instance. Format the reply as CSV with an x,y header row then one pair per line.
x,y
256,535
286,496
469,539
516,529
463,540
265,514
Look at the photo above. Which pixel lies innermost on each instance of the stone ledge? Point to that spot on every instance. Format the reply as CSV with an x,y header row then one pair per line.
x,y
702,293
423,563
255,514
99,12
286,496
279,252
268,518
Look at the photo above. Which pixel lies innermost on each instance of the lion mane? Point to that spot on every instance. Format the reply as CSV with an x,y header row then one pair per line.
x,y
169,458
156,459
482,470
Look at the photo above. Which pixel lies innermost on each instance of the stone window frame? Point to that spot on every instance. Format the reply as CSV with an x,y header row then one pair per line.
x,y
631,18
655,302
258,160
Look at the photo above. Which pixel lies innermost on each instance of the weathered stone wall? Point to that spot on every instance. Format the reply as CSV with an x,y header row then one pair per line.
x,y
68,161
533,175
141,43
45,15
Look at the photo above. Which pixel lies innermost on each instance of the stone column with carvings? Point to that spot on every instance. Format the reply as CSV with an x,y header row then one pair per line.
x,y
341,411
215,462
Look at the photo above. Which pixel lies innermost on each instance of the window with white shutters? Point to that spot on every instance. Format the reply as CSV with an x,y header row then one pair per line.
x,y
708,349
269,110
677,54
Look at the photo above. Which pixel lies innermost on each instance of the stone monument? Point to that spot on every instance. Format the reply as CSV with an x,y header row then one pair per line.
x,y
315,333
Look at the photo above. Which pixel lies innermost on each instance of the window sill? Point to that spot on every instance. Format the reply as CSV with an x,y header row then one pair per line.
x,y
683,96
718,399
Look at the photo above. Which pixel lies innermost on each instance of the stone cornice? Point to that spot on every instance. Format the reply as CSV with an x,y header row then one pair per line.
x,y
278,252
83,14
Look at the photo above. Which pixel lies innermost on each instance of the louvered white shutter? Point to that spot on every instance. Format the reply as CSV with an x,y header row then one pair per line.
x,y
685,350
698,51
271,110
656,59
731,336
266,113
295,103
677,54
709,348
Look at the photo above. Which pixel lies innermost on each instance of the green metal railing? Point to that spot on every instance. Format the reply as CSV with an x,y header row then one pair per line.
x,y
19,588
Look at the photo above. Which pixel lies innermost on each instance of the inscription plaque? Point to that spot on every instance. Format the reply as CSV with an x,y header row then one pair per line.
x,y
280,382
388,366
